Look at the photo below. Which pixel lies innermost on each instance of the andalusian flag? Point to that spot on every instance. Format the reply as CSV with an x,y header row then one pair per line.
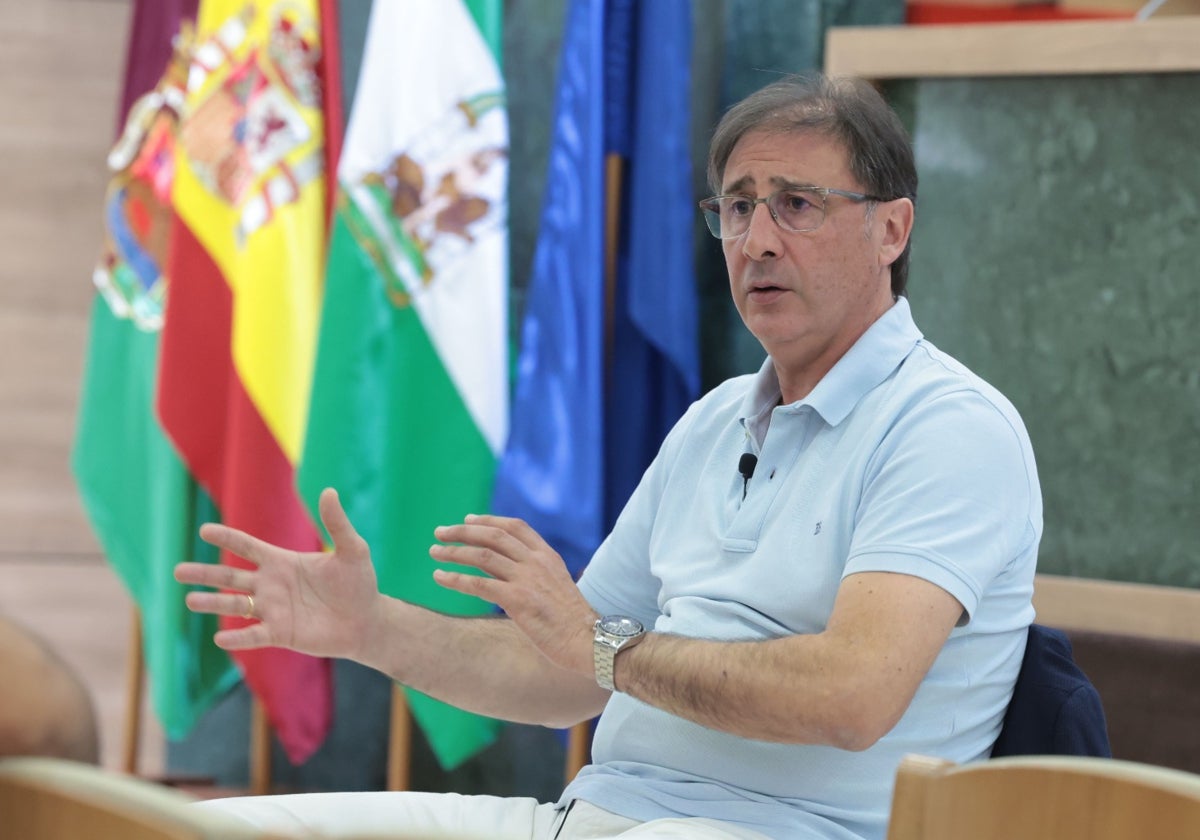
x,y
241,319
139,497
409,400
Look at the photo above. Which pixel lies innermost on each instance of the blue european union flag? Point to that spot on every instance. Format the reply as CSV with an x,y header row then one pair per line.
x,y
603,373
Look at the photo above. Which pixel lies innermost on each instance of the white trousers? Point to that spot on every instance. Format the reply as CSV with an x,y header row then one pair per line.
x,y
450,816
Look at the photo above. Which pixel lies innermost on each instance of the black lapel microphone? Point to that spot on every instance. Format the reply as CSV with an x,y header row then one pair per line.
x,y
746,465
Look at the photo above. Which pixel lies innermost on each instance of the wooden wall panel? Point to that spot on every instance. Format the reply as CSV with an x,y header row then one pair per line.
x,y
60,68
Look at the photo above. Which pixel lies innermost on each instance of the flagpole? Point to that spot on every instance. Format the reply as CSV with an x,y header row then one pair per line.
x,y
134,681
260,749
614,171
399,760
578,747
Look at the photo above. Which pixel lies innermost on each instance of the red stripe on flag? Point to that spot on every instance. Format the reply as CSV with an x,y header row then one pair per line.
x,y
223,439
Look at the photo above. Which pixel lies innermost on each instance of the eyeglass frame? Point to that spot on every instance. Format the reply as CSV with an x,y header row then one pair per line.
x,y
824,192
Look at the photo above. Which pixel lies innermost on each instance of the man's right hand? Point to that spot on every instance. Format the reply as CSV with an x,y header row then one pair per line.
x,y
329,604
319,603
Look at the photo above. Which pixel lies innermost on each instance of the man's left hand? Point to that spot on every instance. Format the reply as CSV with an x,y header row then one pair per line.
x,y
526,578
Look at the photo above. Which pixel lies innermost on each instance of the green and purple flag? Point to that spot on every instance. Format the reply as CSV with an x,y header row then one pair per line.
x,y
142,503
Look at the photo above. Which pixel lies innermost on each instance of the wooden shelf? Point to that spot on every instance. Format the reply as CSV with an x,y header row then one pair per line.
x,y
1169,45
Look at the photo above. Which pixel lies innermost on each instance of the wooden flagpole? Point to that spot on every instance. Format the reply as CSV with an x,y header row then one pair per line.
x,y
260,749
135,678
399,759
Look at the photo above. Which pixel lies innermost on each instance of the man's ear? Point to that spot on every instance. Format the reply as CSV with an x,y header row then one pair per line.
x,y
896,218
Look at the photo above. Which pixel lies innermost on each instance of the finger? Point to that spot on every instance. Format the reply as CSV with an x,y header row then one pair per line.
x,y
484,547
215,575
481,587
484,559
233,604
333,517
518,529
243,638
482,535
236,542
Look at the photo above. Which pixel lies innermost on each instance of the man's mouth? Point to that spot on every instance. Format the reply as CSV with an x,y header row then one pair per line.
x,y
765,292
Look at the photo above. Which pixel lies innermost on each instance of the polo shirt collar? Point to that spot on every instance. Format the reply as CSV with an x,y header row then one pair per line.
x,y
871,360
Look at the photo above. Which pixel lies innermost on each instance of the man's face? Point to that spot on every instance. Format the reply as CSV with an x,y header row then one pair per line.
x,y
807,297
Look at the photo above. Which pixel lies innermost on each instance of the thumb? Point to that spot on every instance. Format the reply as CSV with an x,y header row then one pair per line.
x,y
333,517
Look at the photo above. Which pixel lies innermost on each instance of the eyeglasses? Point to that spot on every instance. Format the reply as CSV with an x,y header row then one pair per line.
x,y
795,209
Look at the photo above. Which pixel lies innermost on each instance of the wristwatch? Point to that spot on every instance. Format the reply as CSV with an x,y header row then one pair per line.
x,y
613,633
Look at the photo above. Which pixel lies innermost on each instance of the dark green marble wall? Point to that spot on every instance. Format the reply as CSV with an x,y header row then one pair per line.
x,y
1057,253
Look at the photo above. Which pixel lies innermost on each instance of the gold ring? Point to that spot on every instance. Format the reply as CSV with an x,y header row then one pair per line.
x,y
249,613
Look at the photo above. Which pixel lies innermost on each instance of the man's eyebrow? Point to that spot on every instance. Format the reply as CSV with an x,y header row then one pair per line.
x,y
777,182
737,186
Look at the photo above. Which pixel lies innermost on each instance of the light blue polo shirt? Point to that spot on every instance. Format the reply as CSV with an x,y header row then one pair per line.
x,y
900,460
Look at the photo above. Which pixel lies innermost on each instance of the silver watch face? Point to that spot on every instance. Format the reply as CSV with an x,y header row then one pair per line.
x,y
620,625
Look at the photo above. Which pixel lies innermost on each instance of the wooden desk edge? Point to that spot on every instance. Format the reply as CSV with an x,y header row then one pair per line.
x,y
1015,49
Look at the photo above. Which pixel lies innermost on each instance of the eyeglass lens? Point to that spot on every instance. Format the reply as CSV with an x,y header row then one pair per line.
x,y
794,210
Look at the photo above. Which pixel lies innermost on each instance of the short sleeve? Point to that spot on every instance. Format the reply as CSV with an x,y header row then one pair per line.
x,y
949,496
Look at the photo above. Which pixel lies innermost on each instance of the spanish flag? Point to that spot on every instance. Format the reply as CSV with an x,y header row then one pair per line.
x,y
245,266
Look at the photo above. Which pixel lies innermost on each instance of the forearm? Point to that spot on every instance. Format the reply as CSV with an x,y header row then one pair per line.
x,y
793,690
484,665
845,687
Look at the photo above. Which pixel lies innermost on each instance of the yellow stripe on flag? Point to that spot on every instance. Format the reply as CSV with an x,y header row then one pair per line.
x,y
258,205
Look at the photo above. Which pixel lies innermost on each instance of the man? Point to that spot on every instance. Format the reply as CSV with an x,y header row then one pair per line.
x,y
44,707
834,557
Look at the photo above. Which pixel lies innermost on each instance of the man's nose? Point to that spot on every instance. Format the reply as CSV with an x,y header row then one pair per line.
x,y
761,239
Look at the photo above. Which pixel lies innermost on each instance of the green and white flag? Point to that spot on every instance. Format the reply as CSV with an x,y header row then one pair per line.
x,y
410,393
